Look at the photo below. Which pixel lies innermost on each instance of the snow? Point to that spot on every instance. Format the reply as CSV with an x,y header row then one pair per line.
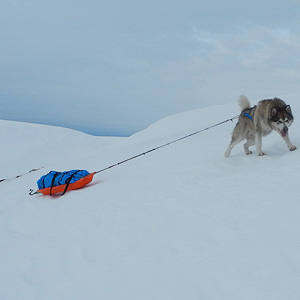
x,y
181,222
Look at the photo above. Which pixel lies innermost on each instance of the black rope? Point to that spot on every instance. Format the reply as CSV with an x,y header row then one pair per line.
x,y
167,144
18,176
68,180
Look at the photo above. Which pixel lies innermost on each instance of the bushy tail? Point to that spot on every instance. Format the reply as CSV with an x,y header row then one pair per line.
x,y
244,102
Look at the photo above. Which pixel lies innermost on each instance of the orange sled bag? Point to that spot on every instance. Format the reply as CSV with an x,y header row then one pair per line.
x,y
59,182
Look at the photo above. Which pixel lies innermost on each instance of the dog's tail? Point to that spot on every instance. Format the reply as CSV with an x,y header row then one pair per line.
x,y
244,102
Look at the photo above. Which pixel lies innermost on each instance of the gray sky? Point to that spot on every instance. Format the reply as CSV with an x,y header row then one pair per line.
x,y
112,67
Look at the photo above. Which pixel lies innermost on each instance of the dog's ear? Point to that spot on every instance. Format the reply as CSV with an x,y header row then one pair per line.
x,y
273,112
288,109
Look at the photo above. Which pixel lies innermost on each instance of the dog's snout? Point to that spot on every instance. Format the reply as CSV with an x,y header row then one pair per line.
x,y
285,129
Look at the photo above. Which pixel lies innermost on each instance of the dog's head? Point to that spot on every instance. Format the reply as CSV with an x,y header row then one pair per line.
x,y
281,119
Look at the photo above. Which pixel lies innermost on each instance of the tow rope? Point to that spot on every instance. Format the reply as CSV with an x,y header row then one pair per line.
x,y
20,175
166,144
140,154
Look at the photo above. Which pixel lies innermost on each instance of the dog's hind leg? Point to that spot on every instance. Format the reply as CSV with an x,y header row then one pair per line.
x,y
258,144
250,142
228,150
234,141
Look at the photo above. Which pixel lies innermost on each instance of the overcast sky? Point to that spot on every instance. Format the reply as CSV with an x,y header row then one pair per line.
x,y
112,67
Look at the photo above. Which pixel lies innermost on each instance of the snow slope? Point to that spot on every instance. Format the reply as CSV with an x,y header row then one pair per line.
x,y
181,222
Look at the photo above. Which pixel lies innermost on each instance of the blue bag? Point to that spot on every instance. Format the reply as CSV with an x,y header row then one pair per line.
x,y
54,178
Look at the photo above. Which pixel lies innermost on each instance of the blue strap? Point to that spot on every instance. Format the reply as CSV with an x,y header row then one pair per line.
x,y
247,115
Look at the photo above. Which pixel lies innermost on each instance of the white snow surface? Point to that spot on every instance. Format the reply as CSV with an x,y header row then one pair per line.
x,y
181,222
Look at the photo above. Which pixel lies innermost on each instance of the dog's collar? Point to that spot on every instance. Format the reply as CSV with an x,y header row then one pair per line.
x,y
248,116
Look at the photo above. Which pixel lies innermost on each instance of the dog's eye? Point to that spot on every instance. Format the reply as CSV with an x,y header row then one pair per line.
x,y
279,122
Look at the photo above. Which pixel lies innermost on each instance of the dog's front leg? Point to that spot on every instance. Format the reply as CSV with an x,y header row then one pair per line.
x,y
288,143
258,144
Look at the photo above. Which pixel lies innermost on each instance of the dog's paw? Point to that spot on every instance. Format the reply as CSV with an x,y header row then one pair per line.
x,y
261,154
227,154
292,148
249,152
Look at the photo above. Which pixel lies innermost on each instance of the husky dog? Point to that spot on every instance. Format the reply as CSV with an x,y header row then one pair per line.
x,y
258,121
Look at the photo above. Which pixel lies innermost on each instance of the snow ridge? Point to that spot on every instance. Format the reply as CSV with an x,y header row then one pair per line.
x,y
180,223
